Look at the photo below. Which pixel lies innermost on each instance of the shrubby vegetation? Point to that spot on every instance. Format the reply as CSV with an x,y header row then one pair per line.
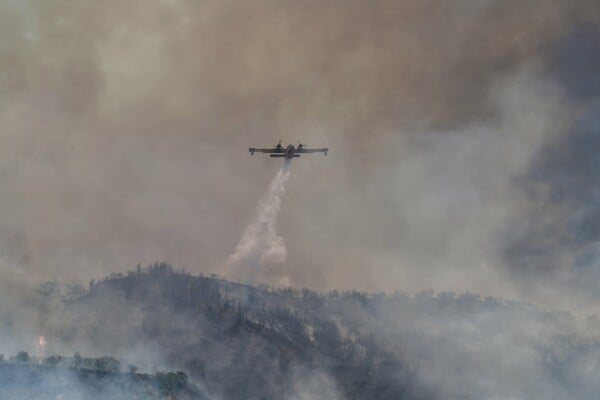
x,y
102,364
76,378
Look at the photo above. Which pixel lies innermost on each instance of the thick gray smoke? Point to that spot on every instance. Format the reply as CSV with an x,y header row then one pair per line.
x,y
108,112
261,247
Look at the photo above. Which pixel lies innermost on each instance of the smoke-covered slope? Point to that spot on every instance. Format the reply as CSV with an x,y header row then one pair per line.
x,y
243,342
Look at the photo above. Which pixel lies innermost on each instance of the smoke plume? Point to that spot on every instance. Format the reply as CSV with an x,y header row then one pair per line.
x,y
260,246
108,111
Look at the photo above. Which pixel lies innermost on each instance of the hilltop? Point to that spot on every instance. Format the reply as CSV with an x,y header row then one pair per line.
x,y
242,342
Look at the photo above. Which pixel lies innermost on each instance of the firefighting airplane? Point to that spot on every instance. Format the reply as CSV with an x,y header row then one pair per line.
x,y
288,152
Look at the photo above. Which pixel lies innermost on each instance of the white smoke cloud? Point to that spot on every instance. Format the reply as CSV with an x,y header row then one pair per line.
x,y
312,385
260,246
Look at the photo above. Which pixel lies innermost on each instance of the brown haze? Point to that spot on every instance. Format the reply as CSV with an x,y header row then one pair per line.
x,y
125,128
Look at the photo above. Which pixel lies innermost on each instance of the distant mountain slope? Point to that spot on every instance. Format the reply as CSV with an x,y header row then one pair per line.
x,y
243,342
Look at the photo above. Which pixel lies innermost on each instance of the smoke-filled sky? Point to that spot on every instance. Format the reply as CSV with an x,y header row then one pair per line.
x,y
463,140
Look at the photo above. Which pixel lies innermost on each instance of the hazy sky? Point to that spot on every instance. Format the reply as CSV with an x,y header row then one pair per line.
x,y
463,140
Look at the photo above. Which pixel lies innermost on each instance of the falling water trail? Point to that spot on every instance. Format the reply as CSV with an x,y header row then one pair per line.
x,y
260,246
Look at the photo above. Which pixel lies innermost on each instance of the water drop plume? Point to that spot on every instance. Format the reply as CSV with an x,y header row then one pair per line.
x,y
261,248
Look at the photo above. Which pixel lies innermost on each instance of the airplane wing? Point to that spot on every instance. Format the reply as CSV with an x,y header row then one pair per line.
x,y
314,150
253,150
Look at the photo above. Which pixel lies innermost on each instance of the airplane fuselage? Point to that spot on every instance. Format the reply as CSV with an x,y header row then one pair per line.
x,y
289,152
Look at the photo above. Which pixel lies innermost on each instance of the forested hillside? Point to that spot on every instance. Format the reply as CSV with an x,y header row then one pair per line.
x,y
243,342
